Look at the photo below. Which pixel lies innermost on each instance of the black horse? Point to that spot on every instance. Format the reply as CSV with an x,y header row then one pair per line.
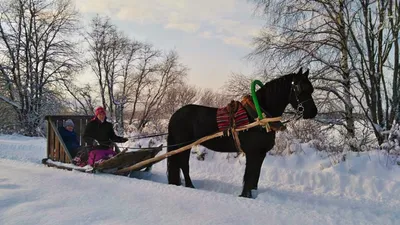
x,y
192,122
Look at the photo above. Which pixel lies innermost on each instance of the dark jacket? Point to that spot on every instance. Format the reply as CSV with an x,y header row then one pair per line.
x,y
102,132
70,139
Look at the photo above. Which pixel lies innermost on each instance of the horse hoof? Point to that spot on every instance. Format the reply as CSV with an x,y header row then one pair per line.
x,y
246,195
190,186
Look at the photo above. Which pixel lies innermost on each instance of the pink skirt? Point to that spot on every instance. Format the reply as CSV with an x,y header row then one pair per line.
x,y
97,155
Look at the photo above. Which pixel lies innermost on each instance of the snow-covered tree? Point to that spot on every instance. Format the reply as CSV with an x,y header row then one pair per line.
x,y
392,143
352,48
36,55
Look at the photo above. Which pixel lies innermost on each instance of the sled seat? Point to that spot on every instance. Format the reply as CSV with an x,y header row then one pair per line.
x,y
56,148
58,153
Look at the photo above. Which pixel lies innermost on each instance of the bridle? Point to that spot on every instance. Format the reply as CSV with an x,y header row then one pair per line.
x,y
296,89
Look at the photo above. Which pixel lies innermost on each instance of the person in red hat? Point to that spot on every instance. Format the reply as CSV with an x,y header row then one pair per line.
x,y
100,134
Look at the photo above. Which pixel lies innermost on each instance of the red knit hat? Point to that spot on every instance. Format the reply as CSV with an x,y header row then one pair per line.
x,y
99,110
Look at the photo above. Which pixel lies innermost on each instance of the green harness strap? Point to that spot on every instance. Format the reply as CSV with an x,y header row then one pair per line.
x,y
255,100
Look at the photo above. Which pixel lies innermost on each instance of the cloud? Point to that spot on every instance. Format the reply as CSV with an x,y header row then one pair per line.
x,y
206,34
187,27
236,41
234,32
207,18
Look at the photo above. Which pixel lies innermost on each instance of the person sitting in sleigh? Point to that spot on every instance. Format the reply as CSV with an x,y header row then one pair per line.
x,y
99,133
69,137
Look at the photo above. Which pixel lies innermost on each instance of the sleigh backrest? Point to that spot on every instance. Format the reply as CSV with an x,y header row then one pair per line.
x,y
56,149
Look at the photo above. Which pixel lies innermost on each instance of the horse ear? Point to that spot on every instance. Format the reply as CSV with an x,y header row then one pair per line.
x,y
300,71
307,73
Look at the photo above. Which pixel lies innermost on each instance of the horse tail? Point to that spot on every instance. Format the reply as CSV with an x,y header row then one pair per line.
x,y
173,167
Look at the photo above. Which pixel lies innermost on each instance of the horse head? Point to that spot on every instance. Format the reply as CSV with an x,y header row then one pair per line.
x,y
300,97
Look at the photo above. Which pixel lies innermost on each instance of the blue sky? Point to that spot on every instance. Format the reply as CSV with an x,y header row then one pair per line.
x,y
212,37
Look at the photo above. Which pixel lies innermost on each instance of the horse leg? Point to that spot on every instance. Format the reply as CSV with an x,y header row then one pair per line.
x,y
173,168
249,173
184,163
258,166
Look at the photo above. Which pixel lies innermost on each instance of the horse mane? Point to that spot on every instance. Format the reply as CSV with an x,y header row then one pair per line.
x,y
279,82
271,94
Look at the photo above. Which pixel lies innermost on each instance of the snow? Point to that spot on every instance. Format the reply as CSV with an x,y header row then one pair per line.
x,y
302,188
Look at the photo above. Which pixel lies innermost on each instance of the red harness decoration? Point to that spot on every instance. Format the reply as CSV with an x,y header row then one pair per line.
x,y
239,118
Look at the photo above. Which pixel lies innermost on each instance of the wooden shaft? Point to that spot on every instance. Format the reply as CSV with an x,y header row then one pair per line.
x,y
187,147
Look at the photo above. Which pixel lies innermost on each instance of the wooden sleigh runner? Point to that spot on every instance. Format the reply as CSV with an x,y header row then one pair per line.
x,y
58,155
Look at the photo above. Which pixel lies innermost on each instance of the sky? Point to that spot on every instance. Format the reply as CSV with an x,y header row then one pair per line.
x,y
301,188
211,37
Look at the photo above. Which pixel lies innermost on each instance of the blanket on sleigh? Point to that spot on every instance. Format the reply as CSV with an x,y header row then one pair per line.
x,y
85,157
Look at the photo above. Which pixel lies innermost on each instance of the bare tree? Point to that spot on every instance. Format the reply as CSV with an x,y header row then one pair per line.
x,y
83,101
237,86
348,44
36,54
6,111
140,77
311,33
209,97
169,73
107,47
124,93
177,96
375,60
131,75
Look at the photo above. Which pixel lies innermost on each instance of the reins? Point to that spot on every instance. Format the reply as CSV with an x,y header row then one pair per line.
x,y
166,146
148,136
260,120
199,141
261,114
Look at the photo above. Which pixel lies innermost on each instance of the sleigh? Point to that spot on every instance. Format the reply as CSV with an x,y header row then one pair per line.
x,y
58,155
124,163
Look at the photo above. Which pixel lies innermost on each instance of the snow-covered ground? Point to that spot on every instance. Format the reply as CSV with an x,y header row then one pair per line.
x,y
303,188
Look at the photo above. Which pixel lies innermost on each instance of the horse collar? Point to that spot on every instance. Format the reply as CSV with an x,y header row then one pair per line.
x,y
248,104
